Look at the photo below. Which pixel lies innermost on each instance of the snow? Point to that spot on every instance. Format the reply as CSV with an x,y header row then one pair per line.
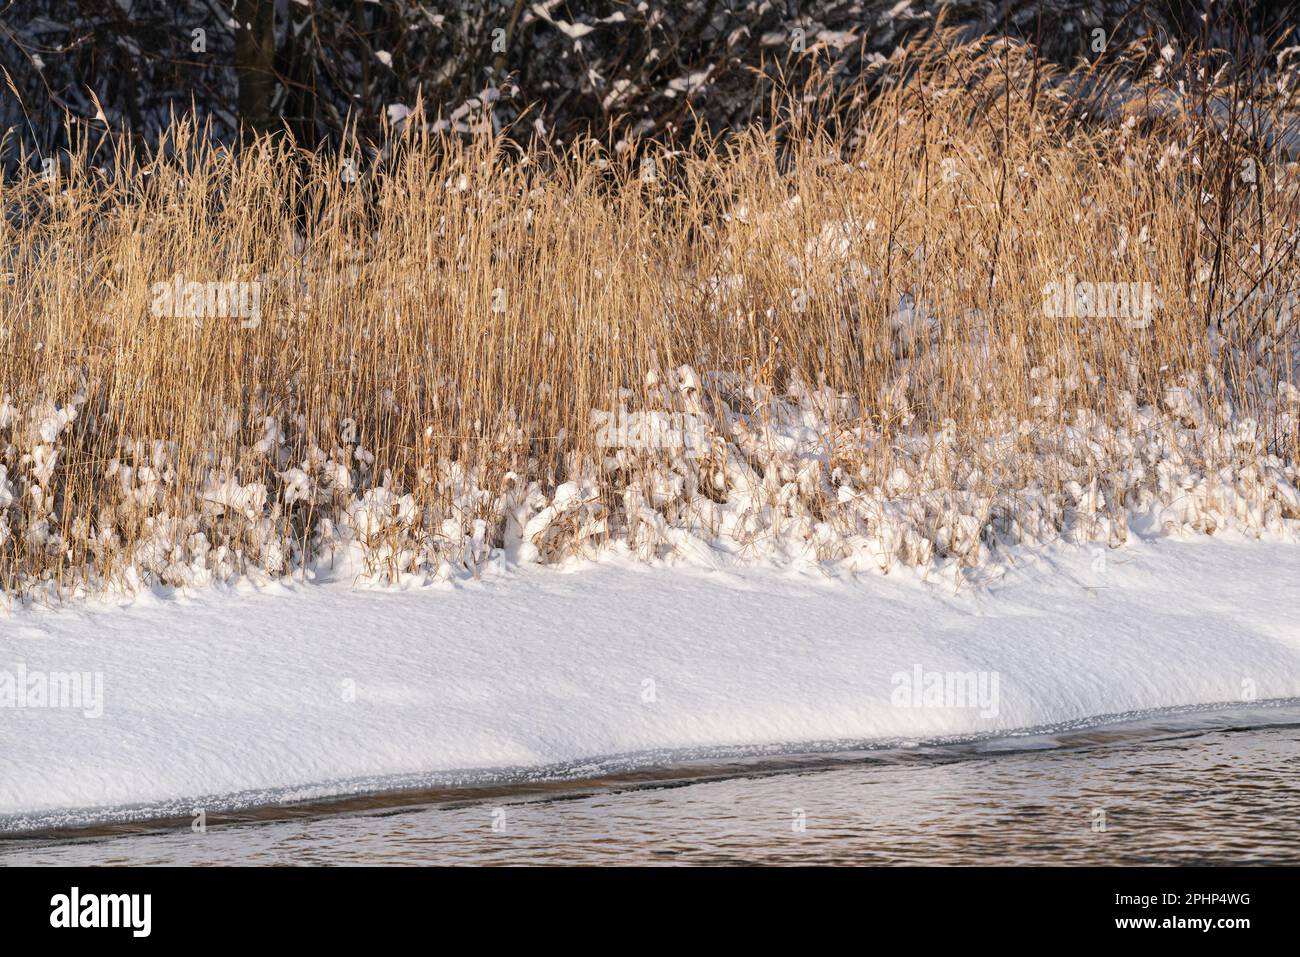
x,y
281,691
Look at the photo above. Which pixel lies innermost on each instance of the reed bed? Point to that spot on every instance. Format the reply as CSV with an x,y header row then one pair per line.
x,y
833,341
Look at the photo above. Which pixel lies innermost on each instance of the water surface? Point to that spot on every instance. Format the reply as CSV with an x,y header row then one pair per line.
x,y
1199,787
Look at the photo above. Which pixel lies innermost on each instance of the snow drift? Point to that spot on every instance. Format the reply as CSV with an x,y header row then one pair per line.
x,y
289,691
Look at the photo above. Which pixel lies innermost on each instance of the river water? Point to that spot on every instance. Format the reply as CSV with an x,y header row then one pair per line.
x,y
1201,786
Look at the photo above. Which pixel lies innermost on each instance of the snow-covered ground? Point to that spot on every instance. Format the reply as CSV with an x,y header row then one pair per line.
x,y
293,691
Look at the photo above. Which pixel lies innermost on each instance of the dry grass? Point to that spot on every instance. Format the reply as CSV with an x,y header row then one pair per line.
x,y
469,305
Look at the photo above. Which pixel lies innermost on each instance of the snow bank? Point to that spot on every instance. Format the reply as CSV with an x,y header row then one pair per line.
x,y
293,690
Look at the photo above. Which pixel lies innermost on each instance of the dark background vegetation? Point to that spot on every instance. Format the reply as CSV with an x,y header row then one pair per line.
x,y
113,69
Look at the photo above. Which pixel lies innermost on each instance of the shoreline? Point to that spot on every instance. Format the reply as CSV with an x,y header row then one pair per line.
x,y
622,773
249,691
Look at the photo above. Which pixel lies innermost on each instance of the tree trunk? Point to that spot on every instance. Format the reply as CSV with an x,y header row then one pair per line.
x,y
255,63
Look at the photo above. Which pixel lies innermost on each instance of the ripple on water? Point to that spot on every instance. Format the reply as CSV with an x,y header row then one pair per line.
x,y
1212,788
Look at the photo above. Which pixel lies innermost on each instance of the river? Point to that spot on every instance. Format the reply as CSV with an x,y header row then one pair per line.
x,y
1203,786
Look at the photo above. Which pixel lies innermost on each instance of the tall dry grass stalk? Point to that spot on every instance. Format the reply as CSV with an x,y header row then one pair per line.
x,y
859,299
